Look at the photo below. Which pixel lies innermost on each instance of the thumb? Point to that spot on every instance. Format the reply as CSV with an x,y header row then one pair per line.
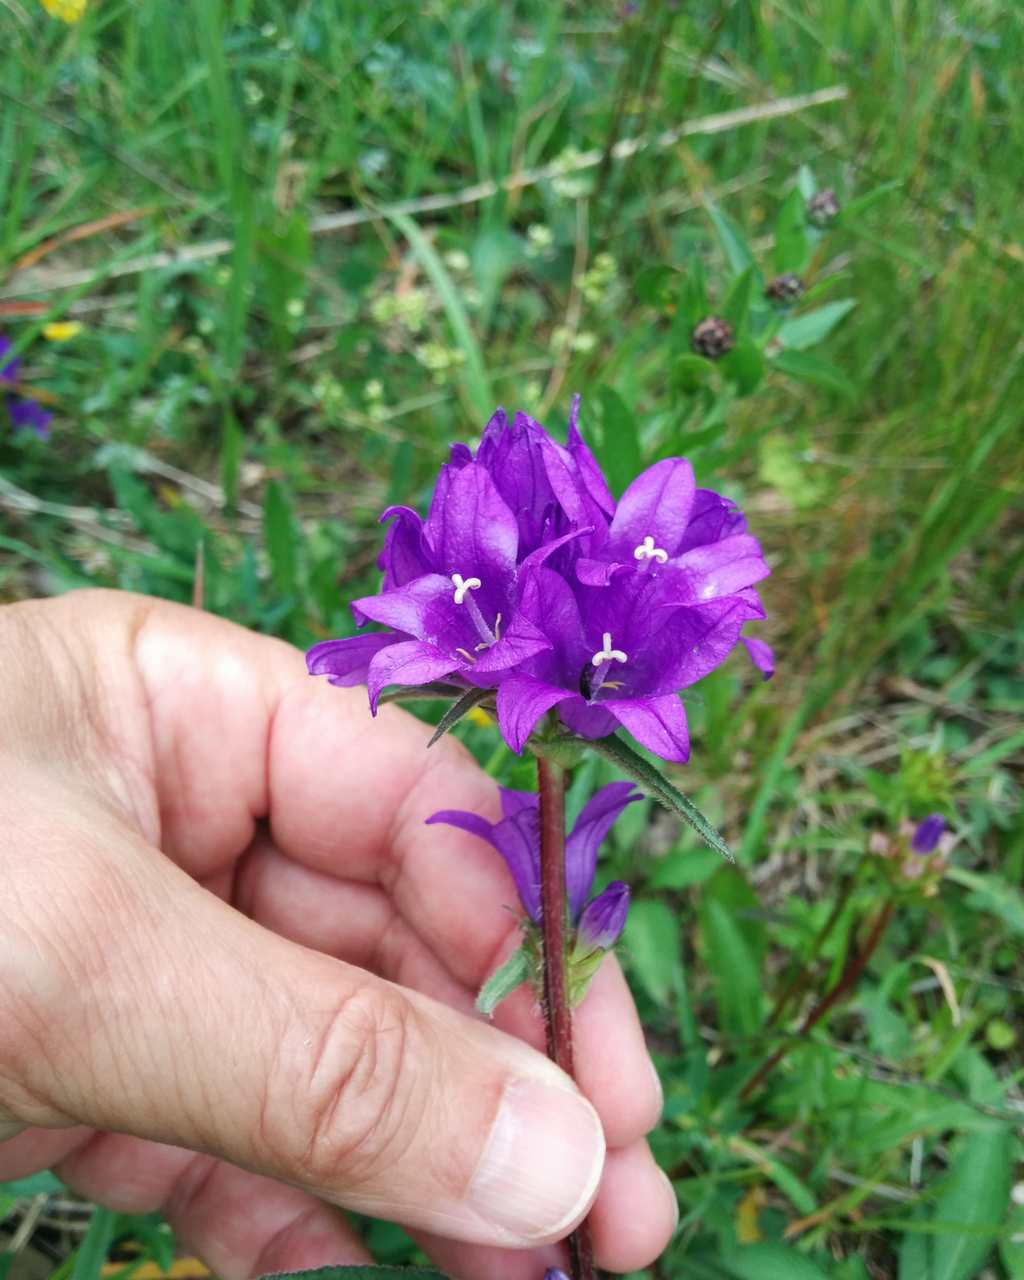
x,y
148,1006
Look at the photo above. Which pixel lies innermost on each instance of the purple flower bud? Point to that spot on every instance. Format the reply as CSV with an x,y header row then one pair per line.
x,y
604,919
25,414
928,834
553,1273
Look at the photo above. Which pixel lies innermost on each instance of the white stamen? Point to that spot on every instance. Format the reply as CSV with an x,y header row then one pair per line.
x,y
462,585
608,654
648,551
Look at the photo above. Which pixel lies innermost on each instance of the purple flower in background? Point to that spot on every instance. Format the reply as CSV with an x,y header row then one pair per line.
x,y
928,833
517,838
553,1273
26,414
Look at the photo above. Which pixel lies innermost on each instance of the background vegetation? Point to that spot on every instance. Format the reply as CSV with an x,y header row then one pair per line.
x,y
310,244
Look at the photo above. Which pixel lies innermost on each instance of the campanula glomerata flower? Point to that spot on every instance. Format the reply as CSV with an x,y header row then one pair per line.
x,y
928,833
26,414
528,578
516,837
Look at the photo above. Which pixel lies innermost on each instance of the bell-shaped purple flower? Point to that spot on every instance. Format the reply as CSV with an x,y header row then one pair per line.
x,y
619,655
26,414
928,833
516,836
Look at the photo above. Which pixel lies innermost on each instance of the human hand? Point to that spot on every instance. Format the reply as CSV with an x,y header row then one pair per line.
x,y
237,969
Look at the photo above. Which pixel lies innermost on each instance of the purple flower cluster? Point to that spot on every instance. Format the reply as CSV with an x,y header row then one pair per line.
x,y
598,921
26,414
527,577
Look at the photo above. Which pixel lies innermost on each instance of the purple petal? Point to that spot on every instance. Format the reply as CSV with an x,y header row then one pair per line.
x,y
521,641
424,608
588,720
591,827
761,655
516,838
720,568
522,700
692,642
406,553
598,573
928,834
590,473
712,518
474,533
553,1273
408,662
26,415
346,662
513,801
602,922
659,724
492,436
656,505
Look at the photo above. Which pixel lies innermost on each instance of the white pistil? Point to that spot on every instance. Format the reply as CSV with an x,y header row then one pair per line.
x,y
607,653
648,551
462,585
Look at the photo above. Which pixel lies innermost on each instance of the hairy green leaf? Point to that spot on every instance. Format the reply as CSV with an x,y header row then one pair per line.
x,y
462,707
503,981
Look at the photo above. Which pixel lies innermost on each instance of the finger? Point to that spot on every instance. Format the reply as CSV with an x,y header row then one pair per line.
x,y
359,923
238,1223
191,1025
636,1212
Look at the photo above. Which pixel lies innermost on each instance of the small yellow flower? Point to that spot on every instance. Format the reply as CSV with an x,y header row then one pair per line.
x,y
479,716
61,330
66,10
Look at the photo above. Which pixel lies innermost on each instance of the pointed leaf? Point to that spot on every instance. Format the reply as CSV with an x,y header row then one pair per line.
x,y
462,707
653,783
735,247
800,332
812,369
975,1198
503,981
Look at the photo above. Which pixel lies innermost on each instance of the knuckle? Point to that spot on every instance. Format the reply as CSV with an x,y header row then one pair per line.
x,y
359,1094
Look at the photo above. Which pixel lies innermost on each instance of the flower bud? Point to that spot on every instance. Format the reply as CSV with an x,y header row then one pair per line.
x,y
784,289
823,207
553,1273
713,338
604,918
928,833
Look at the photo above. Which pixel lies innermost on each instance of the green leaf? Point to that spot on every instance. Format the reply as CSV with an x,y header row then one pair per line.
x,y
92,1253
462,707
36,1184
773,1262
992,894
814,370
806,182
737,301
734,246
799,332
744,365
618,449
974,1199
653,285
688,371
231,443
280,535
790,252
693,298
850,211
651,944
359,1273
477,384
654,783
730,950
503,981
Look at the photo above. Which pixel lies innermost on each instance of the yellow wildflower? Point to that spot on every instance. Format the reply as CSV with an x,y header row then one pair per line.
x,y
62,330
66,10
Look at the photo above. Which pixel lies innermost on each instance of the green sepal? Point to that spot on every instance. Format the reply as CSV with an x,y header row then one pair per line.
x,y
654,783
583,964
563,749
504,980
461,707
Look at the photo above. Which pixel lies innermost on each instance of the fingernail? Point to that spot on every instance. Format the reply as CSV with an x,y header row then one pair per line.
x,y
542,1163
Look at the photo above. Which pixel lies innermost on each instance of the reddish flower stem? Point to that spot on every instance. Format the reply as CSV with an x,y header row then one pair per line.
x,y
554,919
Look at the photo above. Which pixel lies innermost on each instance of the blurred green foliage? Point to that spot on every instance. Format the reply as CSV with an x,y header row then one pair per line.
x,y
348,231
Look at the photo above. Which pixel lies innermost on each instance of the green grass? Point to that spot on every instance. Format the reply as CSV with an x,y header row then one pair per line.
x,y
269,397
